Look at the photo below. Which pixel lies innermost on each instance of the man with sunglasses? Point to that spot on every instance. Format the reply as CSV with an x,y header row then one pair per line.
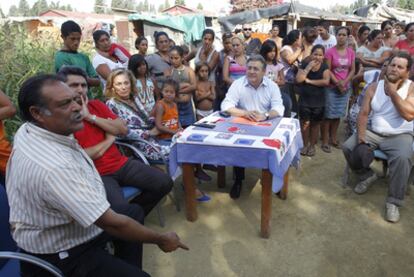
x,y
252,44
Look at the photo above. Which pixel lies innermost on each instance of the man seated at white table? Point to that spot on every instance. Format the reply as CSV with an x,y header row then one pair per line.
x,y
254,97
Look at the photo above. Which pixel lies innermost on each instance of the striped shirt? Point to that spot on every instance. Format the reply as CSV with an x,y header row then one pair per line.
x,y
54,191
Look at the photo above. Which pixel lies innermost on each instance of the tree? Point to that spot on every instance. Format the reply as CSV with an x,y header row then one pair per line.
x,y
146,6
24,8
357,4
405,4
99,6
13,11
370,2
130,4
199,6
152,8
140,7
167,4
2,15
118,4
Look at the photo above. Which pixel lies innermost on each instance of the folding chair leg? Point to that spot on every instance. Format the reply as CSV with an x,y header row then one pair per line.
x,y
161,217
345,176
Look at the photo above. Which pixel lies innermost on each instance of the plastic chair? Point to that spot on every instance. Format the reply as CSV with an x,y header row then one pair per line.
x,y
9,257
129,144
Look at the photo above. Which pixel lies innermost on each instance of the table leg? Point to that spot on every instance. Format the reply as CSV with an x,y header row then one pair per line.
x,y
221,176
284,191
266,203
189,190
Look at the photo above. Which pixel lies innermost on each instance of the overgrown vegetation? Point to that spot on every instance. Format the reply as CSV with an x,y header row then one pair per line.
x,y
24,55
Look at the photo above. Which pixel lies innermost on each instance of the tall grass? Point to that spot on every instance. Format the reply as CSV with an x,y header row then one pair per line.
x,y
23,55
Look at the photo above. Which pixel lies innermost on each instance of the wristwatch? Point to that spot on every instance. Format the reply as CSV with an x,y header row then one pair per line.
x,y
267,115
92,119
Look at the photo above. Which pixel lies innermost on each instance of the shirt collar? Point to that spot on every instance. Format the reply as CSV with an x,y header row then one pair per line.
x,y
61,139
263,83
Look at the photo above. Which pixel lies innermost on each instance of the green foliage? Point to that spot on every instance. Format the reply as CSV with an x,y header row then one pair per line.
x,y
199,6
24,8
13,11
2,15
38,7
23,56
167,4
405,4
99,6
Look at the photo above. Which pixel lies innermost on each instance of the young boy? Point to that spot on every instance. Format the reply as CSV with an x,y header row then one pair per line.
x,y
71,34
205,92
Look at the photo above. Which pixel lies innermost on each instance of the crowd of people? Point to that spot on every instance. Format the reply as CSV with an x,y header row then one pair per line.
x,y
65,175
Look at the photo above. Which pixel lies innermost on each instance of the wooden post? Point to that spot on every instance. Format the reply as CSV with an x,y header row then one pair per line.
x,y
189,190
284,191
266,203
221,176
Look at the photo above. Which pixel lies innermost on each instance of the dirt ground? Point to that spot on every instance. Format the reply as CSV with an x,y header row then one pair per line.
x,y
322,229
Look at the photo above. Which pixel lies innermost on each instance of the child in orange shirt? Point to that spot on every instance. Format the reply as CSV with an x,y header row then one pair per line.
x,y
166,112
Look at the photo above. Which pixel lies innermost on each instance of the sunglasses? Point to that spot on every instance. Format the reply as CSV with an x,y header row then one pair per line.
x,y
247,29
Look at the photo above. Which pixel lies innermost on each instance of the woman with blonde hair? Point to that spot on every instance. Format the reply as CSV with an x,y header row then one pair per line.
x,y
234,66
123,101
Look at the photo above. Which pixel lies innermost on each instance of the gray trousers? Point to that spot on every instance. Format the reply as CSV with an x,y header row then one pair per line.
x,y
398,149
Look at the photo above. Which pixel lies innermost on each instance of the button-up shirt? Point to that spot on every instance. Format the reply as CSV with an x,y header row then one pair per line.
x,y
243,95
54,191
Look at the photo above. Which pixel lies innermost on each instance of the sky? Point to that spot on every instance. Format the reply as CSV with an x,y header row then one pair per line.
x,y
87,6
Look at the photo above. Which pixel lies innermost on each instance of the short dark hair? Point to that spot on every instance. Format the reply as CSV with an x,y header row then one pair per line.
x,y
30,94
136,61
374,34
318,46
173,83
98,34
69,27
291,37
362,29
139,40
404,55
200,65
310,34
323,23
408,26
208,32
385,23
67,70
348,32
179,50
257,58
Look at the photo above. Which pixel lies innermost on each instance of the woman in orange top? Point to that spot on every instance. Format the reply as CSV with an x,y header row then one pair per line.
x,y
7,110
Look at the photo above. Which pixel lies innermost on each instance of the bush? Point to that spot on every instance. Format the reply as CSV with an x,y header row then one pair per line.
x,y
25,55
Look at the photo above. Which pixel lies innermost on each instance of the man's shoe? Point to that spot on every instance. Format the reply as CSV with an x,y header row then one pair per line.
x,y
363,186
392,214
235,190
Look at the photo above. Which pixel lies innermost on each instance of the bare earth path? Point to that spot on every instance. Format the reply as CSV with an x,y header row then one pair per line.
x,y
321,230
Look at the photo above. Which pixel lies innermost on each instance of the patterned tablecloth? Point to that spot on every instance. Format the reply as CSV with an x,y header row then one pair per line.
x,y
274,144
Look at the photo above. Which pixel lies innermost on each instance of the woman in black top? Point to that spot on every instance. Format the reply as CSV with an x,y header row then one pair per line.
x,y
313,77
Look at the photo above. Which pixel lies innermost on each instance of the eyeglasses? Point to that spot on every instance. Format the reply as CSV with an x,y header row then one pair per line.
x,y
247,29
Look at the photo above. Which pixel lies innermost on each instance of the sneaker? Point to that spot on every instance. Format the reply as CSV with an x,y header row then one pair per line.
x,y
392,214
363,186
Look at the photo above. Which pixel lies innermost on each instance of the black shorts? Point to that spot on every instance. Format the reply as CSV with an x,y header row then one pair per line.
x,y
311,114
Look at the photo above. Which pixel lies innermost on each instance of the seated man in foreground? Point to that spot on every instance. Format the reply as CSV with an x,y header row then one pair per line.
x,y
58,206
391,104
254,97
97,138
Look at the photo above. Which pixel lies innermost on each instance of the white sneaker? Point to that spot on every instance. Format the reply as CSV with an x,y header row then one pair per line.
x,y
363,186
392,214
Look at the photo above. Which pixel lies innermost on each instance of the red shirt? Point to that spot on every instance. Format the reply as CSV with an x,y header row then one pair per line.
x,y
112,160
403,45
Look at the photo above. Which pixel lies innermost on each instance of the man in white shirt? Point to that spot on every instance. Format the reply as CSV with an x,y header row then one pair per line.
x,y
390,105
58,206
254,97
324,38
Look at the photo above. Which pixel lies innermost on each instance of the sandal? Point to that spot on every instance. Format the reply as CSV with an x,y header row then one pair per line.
x,y
304,151
336,145
326,148
311,151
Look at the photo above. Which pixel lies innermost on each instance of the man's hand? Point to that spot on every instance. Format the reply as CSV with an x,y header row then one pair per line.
x,y
255,116
85,111
170,242
391,88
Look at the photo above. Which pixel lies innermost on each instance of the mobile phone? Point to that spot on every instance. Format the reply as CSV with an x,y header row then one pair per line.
x,y
224,114
204,125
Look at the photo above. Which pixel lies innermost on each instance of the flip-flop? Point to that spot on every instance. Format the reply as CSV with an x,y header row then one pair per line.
x,y
311,151
304,151
326,148
203,198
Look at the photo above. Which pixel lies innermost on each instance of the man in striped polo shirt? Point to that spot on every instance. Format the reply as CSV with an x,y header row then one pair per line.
x,y
58,207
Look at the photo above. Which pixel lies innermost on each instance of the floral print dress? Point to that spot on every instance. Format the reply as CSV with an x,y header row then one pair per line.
x,y
139,124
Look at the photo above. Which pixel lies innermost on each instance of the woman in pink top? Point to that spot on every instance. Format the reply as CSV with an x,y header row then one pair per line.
x,y
407,45
341,63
